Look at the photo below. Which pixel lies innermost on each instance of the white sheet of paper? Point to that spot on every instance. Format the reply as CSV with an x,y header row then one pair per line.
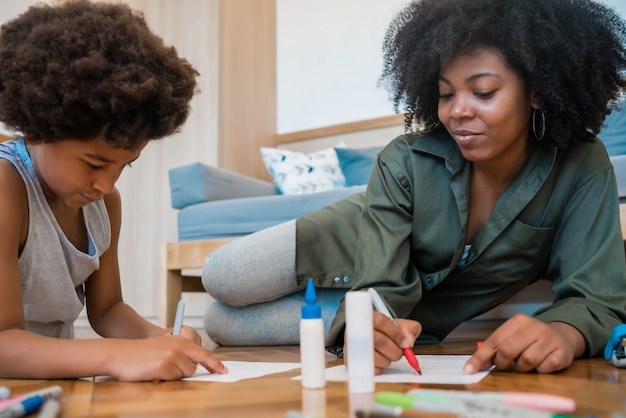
x,y
440,369
240,370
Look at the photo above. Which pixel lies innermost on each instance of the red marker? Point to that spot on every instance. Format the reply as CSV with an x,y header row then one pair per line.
x,y
382,308
410,357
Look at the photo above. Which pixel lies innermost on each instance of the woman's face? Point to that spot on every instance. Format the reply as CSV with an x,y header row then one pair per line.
x,y
484,105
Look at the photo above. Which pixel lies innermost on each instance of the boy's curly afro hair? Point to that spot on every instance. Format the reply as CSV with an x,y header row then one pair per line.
x,y
81,70
570,53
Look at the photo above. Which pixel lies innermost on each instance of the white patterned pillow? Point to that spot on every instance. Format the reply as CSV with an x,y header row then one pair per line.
x,y
299,173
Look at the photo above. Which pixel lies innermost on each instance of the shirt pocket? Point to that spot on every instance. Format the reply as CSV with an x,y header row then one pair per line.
x,y
519,254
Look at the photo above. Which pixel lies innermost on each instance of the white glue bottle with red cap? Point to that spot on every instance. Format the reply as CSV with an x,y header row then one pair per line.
x,y
312,342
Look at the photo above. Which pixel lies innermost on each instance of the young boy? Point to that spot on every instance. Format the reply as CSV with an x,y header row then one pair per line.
x,y
88,85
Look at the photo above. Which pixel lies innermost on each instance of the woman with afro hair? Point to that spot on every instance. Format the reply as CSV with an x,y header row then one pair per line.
x,y
88,86
504,184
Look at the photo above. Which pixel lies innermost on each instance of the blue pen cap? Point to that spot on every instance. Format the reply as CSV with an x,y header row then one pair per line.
x,y
32,404
311,310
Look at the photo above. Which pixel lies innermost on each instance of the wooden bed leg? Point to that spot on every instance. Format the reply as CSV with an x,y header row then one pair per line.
x,y
175,257
170,290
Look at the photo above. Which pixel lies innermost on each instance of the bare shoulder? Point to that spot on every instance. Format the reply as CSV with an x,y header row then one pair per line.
x,y
13,213
12,188
13,224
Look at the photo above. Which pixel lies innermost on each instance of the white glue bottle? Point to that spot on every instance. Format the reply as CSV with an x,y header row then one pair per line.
x,y
360,342
312,342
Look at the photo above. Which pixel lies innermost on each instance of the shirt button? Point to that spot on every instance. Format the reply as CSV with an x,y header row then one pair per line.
x,y
346,279
337,280
429,280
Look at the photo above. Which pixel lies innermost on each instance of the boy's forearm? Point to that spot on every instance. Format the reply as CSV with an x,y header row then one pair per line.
x,y
26,355
122,321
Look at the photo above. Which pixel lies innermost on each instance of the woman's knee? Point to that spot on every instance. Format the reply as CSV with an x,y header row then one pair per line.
x,y
257,268
218,274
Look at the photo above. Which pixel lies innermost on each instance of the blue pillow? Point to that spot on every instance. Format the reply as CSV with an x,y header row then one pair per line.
x,y
300,173
197,182
613,132
356,163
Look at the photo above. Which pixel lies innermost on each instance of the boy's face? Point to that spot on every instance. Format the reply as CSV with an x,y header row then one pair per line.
x,y
74,173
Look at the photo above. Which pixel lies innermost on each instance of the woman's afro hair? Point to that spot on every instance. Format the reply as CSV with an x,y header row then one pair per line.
x,y
570,53
81,70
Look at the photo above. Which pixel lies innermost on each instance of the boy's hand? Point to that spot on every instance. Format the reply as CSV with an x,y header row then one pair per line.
x,y
527,344
161,358
191,334
188,332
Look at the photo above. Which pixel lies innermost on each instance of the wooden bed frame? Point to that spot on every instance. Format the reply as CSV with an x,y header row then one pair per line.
x,y
177,259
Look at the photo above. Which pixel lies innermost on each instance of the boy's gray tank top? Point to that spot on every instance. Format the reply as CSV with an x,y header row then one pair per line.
x,y
52,270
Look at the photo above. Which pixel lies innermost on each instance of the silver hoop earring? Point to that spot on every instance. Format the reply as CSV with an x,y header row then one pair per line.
x,y
539,136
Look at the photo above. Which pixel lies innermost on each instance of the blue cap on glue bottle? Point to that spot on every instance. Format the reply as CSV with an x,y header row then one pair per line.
x,y
311,310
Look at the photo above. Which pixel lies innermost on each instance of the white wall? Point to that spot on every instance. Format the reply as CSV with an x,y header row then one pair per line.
x,y
618,5
329,60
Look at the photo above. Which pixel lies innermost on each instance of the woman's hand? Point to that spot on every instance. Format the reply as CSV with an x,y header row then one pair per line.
x,y
389,339
525,344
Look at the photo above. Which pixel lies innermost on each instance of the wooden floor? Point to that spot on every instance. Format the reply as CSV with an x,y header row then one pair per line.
x,y
598,388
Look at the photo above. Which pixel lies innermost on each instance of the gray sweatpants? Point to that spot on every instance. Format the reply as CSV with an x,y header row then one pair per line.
x,y
257,299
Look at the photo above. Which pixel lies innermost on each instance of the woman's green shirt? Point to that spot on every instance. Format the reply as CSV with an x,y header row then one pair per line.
x,y
558,220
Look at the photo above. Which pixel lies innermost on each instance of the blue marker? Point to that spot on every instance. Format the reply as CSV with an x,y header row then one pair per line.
x,y
25,407
178,321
